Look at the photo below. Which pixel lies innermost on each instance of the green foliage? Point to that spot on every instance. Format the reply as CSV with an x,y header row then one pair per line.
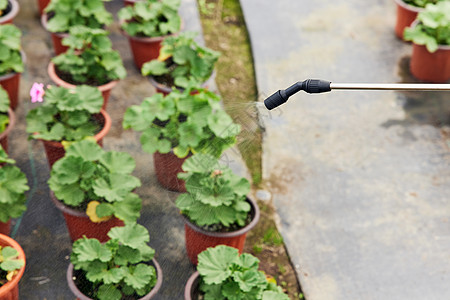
x,y
226,275
433,28
4,107
10,57
3,5
190,121
215,195
118,267
65,115
13,184
69,13
190,62
88,173
151,18
421,3
90,58
9,263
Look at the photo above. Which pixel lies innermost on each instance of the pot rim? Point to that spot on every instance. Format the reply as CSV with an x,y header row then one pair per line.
x,y
44,22
245,229
189,285
12,14
440,47
408,6
81,296
66,209
4,239
12,122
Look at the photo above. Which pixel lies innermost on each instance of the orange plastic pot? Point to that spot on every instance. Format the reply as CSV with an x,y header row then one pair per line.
x,y
81,296
5,228
430,67
167,167
12,11
198,239
4,135
10,82
79,224
42,4
10,290
191,287
55,150
406,14
105,88
57,37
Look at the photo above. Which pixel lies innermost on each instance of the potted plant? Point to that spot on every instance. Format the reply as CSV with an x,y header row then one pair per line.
x,y
8,11
94,189
11,62
89,60
65,116
224,274
13,184
61,15
7,119
146,24
179,124
12,266
216,207
122,268
430,59
407,11
42,4
182,61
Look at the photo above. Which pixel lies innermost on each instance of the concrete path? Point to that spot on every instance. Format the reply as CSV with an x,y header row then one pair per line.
x,y
360,179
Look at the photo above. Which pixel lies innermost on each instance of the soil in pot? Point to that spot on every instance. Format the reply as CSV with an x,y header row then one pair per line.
x,y
10,290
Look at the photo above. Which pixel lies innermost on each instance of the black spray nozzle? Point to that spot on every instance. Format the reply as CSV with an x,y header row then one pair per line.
x,y
309,85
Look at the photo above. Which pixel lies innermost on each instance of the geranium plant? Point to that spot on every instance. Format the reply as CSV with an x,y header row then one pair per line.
x,y
68,13
4,107
227,275
90,58
117,268
13,185
188,121
151,18
99,182
10,264
421,3
10,57
216,197
433,27
3,6
182,60
64,115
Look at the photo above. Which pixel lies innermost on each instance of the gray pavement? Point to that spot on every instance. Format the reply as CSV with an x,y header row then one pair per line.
x,y
359,179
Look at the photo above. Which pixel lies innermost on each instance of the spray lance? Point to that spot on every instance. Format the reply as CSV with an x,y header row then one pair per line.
x,y
314,86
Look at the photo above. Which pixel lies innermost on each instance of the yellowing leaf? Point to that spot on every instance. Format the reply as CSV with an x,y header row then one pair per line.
x,y
91,212
164,55
10,275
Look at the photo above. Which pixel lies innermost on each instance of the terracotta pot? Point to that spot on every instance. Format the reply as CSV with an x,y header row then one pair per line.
x,y
191,287
79,224
13,7
144,48
4,135
406,14
5,228
430,67
105,88
10,82
55,150
165,90
81,296
198,239
167,167
42,4
57,37
10,290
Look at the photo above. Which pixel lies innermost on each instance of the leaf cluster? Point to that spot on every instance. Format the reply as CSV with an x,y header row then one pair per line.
x,y
3,6
190,62
68,13
118,267
10,57
433,28
9,263
4,107
151,18
65,115
226,275
188,121
89,173
421,3
13,184
90,58
215,195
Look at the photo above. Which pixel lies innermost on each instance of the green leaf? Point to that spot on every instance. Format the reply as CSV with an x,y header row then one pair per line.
x,y
13,180
91,249
222,125
151,142
231,291
138,276
126,255
190,134
155,68
87,149
200,163
129,209
247,280
104,210
108,292
118,162
131,235
272,295
118,187
137,118
214,263
70,194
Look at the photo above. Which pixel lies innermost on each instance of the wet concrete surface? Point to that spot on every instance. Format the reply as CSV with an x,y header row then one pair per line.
x,y
359,179
42,231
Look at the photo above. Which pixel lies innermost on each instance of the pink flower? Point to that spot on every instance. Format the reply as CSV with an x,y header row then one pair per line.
x,y
37,92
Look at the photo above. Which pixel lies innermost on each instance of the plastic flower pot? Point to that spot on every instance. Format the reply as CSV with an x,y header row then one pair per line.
x,y
198,239
430,67
4,135
79,224
57,37
55,150
80,296
11,12
5,228
191,287
167,167
10,82
406,14
105,88
10,290
42,4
